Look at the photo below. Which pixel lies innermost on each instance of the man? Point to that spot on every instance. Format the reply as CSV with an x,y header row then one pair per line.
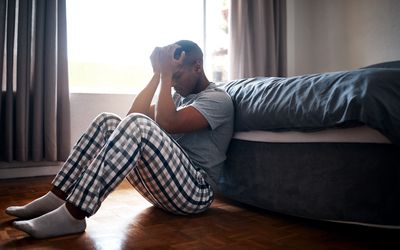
x,y
171,152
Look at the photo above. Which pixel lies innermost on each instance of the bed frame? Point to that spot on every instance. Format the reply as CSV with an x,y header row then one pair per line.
x,y
347,182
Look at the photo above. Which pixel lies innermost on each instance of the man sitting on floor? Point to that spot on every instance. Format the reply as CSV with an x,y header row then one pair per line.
x,y
171,152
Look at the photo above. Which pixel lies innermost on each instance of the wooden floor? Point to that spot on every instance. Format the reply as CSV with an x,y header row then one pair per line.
x,y
127,221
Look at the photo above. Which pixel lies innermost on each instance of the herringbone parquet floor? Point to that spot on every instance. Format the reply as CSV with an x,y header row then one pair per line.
x,y
127,221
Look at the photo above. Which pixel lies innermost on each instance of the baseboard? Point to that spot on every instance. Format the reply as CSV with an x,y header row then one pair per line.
x,y
28,169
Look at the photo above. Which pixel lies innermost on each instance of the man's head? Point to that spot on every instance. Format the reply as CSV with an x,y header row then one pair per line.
x,y
193,52
190,78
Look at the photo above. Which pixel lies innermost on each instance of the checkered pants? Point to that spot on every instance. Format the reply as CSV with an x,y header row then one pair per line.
x,y
136,148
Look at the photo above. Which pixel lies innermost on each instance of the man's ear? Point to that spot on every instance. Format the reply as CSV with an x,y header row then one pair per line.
x,y
198,67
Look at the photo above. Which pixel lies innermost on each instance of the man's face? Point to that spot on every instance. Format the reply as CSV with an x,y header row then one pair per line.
x,y
184,81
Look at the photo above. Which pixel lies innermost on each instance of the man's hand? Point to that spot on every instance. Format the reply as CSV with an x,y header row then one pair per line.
x,y
168,64
155,60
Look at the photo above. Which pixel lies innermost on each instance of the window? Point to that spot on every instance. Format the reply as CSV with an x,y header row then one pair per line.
x,y
110,42
217,40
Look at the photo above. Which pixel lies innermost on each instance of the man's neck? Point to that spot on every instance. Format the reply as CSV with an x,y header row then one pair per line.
x,y
202,85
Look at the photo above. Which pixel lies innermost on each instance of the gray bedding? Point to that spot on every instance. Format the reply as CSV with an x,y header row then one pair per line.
x,y
368,96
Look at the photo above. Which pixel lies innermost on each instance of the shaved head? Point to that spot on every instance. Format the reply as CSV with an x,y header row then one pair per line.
x,y
193,52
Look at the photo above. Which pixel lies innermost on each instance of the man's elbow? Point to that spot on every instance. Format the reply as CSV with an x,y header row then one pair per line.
x,y
166,124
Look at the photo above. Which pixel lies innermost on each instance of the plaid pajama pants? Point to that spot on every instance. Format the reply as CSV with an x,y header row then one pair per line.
x,y
136,148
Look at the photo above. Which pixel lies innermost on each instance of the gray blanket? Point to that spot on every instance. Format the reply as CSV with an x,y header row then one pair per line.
x,y
369,96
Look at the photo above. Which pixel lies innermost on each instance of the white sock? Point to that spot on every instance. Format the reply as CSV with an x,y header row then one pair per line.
x,y
38,207
55,223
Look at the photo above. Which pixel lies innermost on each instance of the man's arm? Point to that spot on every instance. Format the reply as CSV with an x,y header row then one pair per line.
x,y
142,102
174,121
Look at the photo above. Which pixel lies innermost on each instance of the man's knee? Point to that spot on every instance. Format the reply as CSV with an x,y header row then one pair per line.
x,y
137,118
105,116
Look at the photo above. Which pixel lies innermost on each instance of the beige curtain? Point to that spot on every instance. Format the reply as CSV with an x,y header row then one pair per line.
x,y
258,38
34,111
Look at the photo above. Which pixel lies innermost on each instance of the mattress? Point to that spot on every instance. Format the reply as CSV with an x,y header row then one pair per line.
x,y
361,134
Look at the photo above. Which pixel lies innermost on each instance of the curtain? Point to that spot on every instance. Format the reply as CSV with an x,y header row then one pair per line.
x,y
257,38
34,100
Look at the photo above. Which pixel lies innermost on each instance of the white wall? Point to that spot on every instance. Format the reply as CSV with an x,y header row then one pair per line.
x,y
329,35
86,106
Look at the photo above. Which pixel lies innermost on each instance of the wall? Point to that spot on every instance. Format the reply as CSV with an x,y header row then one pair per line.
x,y
329,35
86,106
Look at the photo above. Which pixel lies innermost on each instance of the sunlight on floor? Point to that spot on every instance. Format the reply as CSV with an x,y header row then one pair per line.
x,y
121,208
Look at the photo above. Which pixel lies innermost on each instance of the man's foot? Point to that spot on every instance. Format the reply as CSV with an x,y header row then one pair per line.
x,y
38,207
58,222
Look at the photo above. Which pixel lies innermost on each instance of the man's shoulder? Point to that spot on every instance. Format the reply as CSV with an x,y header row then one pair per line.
x,y
215,97
216,93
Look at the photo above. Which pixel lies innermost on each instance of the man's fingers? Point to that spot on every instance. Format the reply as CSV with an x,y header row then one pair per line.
x,y
181,57
169,50
155,52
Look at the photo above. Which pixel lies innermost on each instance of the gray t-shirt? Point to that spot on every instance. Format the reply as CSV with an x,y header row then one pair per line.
x,y
207,147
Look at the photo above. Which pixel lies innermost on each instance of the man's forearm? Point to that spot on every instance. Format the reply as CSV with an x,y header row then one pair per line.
x,y
165,107
142,101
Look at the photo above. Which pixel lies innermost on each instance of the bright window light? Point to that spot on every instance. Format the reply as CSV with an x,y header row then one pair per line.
x,y
110,42
217,40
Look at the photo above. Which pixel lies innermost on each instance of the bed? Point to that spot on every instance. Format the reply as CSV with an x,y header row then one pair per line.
x,y
321,146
